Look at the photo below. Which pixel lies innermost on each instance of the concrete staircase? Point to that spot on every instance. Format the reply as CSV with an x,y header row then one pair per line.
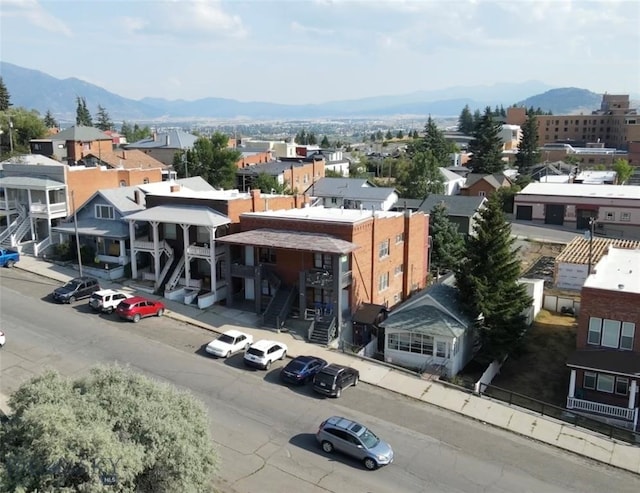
x,y
278,309
323,331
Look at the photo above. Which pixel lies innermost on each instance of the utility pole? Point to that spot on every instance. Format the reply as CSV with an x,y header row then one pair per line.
x,y
75,223
592,223
10,136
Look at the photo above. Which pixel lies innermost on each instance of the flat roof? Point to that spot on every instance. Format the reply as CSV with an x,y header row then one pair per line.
x,y
582,190
618,270
327,214
290,240
180,214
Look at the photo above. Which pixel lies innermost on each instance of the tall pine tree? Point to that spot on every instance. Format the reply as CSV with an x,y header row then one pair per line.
x,y
49,120
488,282
83,117
5,97
104,120
465,121
486,146
528,153
447,249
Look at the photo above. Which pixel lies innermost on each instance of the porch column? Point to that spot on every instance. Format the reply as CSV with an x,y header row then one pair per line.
x,y
132,239
187,258
632,394
212,259
156,253
337,292
572,384
30,216
123,250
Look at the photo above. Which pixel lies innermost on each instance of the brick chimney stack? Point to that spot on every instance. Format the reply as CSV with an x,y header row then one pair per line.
x,y
255,198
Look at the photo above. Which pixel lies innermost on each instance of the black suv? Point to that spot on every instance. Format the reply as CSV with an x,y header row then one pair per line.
x,y
75,289
332,379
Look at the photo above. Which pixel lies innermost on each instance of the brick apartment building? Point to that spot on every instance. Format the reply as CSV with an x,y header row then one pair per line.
x,y
614,125
605,368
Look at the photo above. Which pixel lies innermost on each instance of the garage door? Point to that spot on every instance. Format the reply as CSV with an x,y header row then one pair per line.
x,y
554,214
524,212
582,218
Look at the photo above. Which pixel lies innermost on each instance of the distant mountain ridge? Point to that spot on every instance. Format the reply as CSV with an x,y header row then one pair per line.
x,y
34,89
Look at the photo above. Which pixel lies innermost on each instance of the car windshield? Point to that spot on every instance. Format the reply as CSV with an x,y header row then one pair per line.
x,y
226,338
296,366
369,439
255,352
95,296
71,285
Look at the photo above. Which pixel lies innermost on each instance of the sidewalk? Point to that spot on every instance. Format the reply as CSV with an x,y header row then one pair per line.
x,y
523,422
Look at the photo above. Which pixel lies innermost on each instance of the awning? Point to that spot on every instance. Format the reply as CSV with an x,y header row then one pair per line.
x,y
181,214
606,360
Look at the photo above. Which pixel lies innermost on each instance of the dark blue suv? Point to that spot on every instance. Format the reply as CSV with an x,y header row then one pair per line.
x,y
302,369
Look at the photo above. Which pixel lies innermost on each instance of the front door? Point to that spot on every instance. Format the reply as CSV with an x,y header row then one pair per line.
x,y
554,214
582,218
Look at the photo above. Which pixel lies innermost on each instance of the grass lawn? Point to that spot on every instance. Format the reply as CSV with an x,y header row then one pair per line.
x,y
539,368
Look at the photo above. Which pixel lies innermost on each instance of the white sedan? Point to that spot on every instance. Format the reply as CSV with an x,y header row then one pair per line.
x,y
3,339
229,342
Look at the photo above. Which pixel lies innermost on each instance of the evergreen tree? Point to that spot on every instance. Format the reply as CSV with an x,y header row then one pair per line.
x,y
324,143
528,153
487,280
5,97
435,142
477,116
466,124
486,146
379,135
447,249
126,131
400,135
373,137
83,117
49,120
421,177
388,135
416,135
312,139
104,120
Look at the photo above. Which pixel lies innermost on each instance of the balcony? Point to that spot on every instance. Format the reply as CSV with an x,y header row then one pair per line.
x,y
144,246
319,278
8,205
58,209
246,271
199,251
602,409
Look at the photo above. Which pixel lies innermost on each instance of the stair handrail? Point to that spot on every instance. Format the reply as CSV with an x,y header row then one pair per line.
x,y
20,231
168,249
281,318
173,280
165,269
43,245
14,224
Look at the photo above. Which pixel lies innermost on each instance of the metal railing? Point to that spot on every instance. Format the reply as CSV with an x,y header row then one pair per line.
x,y
281,318
600,408
199,251
561,414
175,277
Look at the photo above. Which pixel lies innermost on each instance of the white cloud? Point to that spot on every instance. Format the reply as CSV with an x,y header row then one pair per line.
x,y
300,28
35,14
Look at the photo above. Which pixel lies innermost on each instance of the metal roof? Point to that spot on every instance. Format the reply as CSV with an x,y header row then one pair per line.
x,y
350,188
457,205
30,182
32,159
123,198
273,168
95,227
290,240
578,250
80,134
172,139
426,319
181,214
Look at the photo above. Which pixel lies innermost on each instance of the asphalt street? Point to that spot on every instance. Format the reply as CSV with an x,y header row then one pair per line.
x,y
264,431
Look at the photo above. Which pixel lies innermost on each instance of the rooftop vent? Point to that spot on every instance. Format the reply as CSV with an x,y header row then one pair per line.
x,y
620,286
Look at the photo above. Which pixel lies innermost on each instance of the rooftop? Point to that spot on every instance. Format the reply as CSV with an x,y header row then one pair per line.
x,y
618,270
582,190
320,213
577,251
32,159
290,240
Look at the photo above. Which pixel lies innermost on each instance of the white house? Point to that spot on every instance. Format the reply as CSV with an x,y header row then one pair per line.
x,y
453,182
430,333
352,193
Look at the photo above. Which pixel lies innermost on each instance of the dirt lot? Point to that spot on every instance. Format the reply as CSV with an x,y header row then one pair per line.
x,y
531,251
539,369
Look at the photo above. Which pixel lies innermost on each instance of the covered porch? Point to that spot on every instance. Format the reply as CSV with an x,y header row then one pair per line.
x,y
604,384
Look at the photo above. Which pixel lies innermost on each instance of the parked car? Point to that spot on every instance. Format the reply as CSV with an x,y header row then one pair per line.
x,y
302,369
76,289
107,300
3,339
137,307
8,258
228,343
333,379
353,439
263,353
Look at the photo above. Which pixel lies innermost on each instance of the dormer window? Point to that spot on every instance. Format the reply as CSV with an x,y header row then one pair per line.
x,y
105,212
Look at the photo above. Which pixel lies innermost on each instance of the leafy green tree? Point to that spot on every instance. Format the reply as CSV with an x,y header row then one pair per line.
x,y
5,97
268,183
488,282
212,159
466,125
528,153
83,116
421,177
623,169
447,249
324,143
25,126
50,121
113,430
486,146
104,120
135,133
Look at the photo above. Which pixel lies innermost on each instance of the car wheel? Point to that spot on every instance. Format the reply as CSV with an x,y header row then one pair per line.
x,y
370,464
267,365
136,318
228,354
355,381
11,263
284,355
110,310
160,312
72,299
338,392
327,447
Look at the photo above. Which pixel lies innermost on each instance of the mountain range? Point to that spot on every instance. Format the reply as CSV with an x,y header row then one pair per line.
x,y
37,90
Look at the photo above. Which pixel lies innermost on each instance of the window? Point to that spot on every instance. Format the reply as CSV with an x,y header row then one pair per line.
x,y
323,261
610,333
398,270
411,342
626,340
441,349
595,325
383,250
145,181
610,216
104,212
123,183
400,237
383,281
622,386
202,235
605,383
589,381
482,193
625,216
267,255
170,232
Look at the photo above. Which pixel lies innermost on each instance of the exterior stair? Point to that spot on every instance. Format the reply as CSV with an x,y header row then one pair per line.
x,y
175,276
278,308
323,331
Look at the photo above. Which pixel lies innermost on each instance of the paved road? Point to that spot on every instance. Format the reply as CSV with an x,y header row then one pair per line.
x,y
265,431
546,233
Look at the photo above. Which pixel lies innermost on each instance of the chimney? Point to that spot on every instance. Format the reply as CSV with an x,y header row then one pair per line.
x,y
255,197
168,141
155,136
137,195
174,188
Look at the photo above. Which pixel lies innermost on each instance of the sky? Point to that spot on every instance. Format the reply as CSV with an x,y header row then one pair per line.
x,y
314,51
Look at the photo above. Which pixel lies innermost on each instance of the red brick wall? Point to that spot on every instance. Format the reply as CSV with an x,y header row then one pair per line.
x,y
258,158
614,305
604,397
475,189
78,150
